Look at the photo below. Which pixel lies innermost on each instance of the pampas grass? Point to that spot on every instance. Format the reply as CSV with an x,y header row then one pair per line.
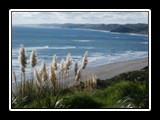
x,y
68,66
41,75
33,62
54,62
62,67
91,82
68,61
62,71
78,75
85,60
43,72
83,66
37,78
33,59
23,61
48,81
53,77
55,66
45,83
22,57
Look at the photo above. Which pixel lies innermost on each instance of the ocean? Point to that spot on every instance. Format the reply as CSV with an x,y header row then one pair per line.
x,y
103,47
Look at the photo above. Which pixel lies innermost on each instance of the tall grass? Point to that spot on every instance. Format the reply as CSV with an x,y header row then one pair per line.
x,y
33,61
23,61
43,82
129,90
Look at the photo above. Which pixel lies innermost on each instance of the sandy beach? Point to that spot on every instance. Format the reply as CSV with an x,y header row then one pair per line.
x,y
107,71
110,70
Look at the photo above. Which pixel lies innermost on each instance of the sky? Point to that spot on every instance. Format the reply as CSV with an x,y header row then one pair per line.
x,y
79,17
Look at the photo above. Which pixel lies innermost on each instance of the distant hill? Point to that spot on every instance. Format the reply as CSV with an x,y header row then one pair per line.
x,y
138,28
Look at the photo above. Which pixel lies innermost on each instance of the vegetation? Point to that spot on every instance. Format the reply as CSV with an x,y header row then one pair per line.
x,y
128,90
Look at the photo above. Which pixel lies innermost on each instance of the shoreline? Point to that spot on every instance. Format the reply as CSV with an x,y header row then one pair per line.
x,y
110,70
107,71
102,64
106,31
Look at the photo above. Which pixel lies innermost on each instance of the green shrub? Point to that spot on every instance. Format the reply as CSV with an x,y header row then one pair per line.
x,y
82,102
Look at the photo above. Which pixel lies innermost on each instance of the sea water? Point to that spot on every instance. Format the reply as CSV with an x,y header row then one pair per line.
x,y
103,47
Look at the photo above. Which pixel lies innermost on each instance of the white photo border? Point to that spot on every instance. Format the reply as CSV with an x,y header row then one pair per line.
x,y
79,10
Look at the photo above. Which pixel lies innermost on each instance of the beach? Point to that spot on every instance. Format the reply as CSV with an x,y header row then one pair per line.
x,y
108,71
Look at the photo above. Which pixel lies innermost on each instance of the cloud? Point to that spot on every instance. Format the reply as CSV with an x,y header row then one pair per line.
x,y
79,17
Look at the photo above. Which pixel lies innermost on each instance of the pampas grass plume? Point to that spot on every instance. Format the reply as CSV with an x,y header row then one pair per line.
x,y
62,67
43,72
37,78
54,62
78,75
68,61
33,59
53,76
22,57
85,60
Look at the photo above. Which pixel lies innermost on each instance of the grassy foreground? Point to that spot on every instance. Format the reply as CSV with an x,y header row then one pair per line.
x,y
128,90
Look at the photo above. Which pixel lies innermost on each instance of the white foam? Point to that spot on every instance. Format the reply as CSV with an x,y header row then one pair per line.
x,y
47,47
15,62
83,40
100,59
138,34
15,51
93,59
14,54
65,47
144,42
131,55
76,57
96,54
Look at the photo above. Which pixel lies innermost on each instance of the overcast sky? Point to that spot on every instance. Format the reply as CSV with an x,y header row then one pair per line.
x,y
79,17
